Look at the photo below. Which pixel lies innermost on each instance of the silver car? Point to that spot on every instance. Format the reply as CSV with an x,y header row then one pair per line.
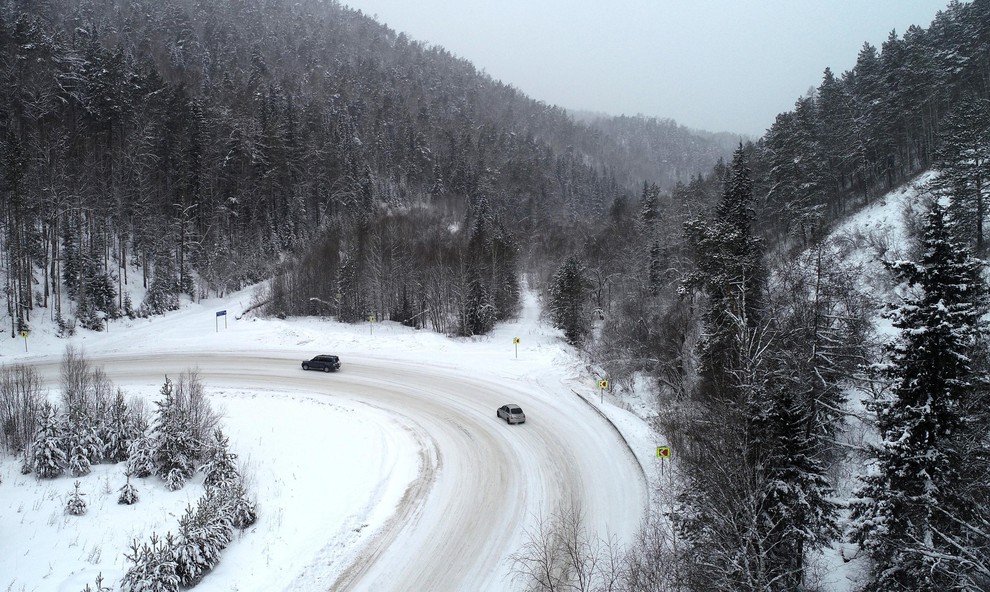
x,y
511,414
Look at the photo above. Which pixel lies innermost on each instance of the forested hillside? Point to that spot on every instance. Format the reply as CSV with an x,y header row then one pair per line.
x,y
197,146
204,145
797,428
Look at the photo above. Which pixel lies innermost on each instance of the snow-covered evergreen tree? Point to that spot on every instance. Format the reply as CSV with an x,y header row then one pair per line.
x,y
220,467
153,567
119,429
163,293
916,515
728,270
85,449
963,163
203,534
195,552
480,313
140,456
173,446
128,493
649,209
243,512
76,505
568,290
798,512
48,458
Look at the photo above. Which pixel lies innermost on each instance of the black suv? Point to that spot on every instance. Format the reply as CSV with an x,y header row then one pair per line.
x,y
325,363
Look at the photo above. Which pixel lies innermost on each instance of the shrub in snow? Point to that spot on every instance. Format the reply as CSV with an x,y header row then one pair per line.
x,y
99,586
128,493
194,408
21,397
128,310
243,511
175,479
152,567
66,328
76,506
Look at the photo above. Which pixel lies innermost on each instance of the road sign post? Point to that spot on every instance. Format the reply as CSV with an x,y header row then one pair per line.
x,y
371,324
602,385
663,453
24,334
515,342
216,321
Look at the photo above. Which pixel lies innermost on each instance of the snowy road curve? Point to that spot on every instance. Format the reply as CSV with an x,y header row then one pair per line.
x,y
480,483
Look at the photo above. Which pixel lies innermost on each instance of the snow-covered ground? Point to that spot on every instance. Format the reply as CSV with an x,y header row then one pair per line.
x,y
392,474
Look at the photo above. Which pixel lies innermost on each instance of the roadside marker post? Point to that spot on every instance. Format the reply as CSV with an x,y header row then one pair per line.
x,y
371,324
663,453
216,321
515,342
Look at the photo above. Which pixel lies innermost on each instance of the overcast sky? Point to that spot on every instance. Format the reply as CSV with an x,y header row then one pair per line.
x,y
717,65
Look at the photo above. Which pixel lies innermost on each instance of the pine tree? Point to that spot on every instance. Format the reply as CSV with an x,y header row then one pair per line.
x,y
163,294
479,314
119,429
568,290
140,456
173,446
649,212
963,163
203,534
85,448
48,458
243,511
799,514
99,585
220,467
729,269
915,508
76,506
153,567
128,493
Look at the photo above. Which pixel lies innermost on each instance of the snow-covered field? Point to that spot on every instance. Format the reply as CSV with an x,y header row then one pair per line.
x,y
392,474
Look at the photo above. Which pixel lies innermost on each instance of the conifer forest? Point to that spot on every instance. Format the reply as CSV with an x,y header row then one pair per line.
x,y
155,151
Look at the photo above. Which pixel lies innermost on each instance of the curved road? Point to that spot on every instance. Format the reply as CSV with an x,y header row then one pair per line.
x,y
482,484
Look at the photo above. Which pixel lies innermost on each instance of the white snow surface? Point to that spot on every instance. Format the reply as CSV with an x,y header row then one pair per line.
x,y
391,474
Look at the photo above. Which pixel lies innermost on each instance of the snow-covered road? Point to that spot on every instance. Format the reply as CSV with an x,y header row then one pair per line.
x,y
479,483
442,493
